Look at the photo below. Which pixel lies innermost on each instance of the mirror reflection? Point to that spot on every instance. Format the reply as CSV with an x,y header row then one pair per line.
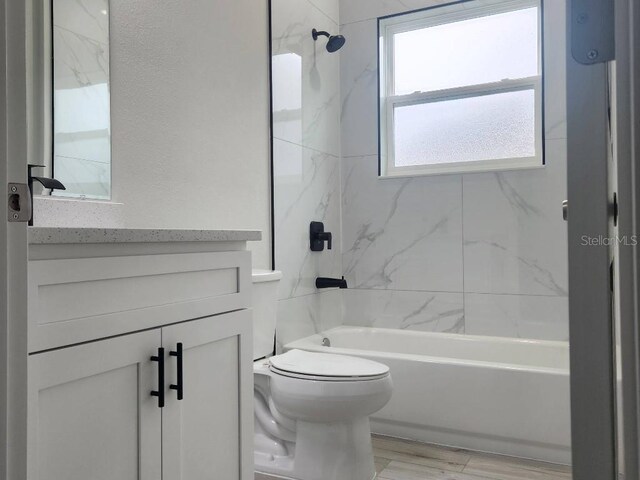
x,y
81,99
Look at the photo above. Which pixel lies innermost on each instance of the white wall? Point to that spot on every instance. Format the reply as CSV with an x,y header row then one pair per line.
x,y
190,119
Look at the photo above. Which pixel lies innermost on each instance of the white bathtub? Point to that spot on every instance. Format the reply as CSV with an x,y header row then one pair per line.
x,y
491,394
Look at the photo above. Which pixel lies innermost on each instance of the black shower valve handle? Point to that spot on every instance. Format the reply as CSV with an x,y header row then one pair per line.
x,y
326,237
317,237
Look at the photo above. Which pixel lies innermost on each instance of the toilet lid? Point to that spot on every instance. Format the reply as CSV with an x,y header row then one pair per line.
x,y
314,364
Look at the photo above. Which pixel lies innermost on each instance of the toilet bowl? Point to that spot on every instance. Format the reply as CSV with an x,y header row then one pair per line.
x,y
311,409
312,415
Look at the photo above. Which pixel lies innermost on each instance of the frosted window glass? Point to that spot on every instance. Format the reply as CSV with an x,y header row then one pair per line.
x,y
469,52
489,127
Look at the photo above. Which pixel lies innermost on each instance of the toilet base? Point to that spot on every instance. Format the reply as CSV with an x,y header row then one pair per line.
x,y
337,451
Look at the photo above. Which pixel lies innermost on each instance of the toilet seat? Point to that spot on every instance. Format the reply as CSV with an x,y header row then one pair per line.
x,y
326,367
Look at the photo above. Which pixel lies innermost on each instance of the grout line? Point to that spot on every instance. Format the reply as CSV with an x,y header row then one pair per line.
x,y
335,22
458,292
360,156
372,19
306,147
464,292
319,292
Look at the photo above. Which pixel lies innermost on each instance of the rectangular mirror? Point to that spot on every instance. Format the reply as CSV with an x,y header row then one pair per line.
x,y
81,156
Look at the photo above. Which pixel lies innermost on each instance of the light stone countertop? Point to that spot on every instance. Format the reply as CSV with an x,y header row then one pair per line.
x,y
52,235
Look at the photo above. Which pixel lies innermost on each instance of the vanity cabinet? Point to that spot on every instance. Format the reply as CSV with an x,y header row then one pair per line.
x,y
140,369
93,414
203,432
90,412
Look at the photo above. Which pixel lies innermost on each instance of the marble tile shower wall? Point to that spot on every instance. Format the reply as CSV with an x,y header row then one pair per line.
x,y
481,253
306,131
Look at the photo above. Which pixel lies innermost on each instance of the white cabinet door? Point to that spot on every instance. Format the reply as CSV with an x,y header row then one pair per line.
x,y
209,433
91,415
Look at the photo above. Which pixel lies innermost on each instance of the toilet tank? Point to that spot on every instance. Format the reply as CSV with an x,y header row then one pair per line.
x,y
265,305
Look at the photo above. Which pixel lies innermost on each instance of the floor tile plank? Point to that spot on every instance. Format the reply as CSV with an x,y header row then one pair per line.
x,y
397,459
420,453
508,468
411,471
381,463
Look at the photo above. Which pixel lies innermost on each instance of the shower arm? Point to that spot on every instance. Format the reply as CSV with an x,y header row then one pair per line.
x,y
315,34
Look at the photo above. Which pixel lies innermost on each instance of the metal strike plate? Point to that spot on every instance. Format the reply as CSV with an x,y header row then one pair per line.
x,y
592,31
18,203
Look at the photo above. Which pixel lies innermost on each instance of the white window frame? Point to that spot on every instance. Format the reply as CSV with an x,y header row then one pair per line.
x,y
390,26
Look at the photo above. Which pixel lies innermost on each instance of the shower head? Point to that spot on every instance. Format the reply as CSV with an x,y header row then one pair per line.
x,y
335,42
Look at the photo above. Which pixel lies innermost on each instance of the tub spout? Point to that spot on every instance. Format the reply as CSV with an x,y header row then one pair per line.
x,y
323,282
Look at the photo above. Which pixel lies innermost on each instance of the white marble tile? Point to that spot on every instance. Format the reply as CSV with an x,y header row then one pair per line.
x,y
515,240
358,10
518,316
331,308
300,317
306,96
359,89
401,233
331,8
86,18
307,188
405,310
81,97
84,177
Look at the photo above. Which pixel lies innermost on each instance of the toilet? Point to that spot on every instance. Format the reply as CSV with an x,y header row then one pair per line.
x,y
311,409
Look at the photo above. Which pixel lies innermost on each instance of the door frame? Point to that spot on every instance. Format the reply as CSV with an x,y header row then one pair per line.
x,y
590,319
597,440
14,74
627,88
4,252
589,213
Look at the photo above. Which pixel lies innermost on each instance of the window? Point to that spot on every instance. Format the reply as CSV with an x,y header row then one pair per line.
x,y
461,89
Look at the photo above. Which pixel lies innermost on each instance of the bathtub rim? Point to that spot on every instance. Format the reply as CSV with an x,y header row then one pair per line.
x,y
314,343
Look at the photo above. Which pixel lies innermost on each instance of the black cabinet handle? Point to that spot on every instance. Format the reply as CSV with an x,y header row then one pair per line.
x,y
160,392
179,387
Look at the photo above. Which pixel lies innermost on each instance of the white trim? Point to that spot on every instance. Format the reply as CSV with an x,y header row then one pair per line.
x,y
17,82
389,101
500,165
4,254
449,13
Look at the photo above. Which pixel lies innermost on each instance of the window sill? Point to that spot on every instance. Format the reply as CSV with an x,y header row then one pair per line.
x,y
459,170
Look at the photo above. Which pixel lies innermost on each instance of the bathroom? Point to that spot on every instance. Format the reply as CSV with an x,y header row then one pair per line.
x,y
320,240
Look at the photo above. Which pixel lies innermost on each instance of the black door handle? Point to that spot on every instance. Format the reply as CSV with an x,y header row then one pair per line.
x,y
160,392
179,387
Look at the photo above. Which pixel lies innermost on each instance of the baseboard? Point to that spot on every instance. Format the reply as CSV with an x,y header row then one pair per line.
x,y
478,443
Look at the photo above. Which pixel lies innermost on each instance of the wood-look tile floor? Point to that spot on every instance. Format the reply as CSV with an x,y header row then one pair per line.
x,y
405,460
